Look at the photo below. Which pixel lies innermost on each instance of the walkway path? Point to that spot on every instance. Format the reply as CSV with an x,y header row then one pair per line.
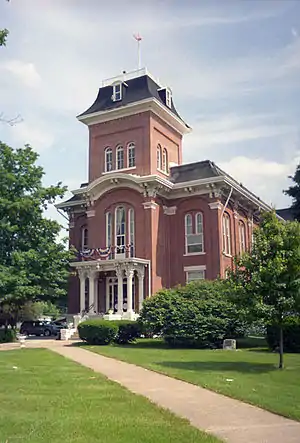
x,y
231,420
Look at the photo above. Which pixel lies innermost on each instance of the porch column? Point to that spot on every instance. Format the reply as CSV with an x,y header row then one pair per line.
x,y
141,274
119,274
96,293
129,274
82,277
106,295
92,276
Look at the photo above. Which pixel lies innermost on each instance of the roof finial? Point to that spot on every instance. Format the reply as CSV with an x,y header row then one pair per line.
x,y
138,38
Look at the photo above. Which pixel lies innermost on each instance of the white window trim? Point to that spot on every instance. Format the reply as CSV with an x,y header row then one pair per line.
x,y
119,148
158,159
193,234
129,147
168,97
106,150
201,268
242,236
164,162
114,94
225,236
108,244
83,245
118,254
119,170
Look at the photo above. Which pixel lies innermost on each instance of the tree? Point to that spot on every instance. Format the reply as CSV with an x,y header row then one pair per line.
x,y
294,192
34,265
266,280
3,36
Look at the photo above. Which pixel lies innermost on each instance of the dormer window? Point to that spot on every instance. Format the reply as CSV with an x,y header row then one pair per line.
x,y
117,92
168,98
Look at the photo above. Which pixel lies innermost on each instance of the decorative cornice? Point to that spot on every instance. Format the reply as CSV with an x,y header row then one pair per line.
x,y
215,205
169,210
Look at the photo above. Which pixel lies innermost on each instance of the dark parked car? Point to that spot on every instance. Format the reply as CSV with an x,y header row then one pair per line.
x,y
38,328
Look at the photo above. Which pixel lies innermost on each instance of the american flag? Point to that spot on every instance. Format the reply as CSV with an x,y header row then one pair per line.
x,y
137,37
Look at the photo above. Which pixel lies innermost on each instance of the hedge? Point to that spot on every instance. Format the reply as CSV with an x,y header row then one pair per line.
x,y
291,335
97,332
104,332
7,335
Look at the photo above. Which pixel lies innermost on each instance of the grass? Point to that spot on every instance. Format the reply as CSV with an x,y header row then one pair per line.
x,y
47,398
249,375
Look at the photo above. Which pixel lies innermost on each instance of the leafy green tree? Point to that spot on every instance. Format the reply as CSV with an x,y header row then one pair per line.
x,y
33,263
3,36
294,192
266,280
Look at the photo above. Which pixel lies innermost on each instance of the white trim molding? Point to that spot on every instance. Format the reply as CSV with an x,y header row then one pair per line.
x,y
195,268
215,205
150,205
170,210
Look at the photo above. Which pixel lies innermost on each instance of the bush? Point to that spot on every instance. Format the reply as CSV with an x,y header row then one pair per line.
x,y
128,332
199,314
7,335
97,332
291,335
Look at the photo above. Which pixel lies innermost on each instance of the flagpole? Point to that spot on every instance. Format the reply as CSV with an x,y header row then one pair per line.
x,y
138,38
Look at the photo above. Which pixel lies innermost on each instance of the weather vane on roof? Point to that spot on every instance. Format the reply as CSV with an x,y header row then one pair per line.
x,y
138,38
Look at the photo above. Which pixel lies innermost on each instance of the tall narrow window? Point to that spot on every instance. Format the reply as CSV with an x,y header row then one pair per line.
x,y
108,229
242,237
120,157
117,92
226,234
131,230
158,157
131,155
194,243
168,98
84,239
165,160
108,159
120,230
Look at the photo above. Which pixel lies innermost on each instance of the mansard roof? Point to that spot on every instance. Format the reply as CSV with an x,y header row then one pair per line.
x,y
134,90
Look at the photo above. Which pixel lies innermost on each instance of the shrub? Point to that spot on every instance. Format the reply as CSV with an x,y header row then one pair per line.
x,y
128,331
199,314
7,335
291,335
97,332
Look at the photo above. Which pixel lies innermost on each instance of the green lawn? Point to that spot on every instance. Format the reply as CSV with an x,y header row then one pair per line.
x,y
47,398
248,374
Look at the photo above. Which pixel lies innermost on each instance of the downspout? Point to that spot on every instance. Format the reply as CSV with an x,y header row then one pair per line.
x,y
222,213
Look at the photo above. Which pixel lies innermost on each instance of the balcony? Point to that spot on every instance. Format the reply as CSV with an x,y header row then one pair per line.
x,y
108,253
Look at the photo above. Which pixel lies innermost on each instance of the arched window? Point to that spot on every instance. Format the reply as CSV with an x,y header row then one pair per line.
x,y
108,160
226,234
120,231
108,224
84,238
120,157
165,160
131,230
242,237
158,157
194,239
131,155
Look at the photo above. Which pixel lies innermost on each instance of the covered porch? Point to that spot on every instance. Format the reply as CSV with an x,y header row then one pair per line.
x,y
114,289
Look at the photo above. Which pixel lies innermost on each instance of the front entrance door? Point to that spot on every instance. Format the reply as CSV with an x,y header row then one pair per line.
x,y
112,294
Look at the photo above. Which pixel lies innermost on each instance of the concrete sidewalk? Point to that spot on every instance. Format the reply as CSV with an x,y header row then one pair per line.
x,y
231,420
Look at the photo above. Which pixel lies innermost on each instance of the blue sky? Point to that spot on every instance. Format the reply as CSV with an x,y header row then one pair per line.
x,y
233,66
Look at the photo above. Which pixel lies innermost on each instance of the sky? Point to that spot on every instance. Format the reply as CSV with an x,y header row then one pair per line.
x,y
233,67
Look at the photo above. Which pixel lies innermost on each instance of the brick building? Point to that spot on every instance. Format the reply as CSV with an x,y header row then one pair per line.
x,y
144,220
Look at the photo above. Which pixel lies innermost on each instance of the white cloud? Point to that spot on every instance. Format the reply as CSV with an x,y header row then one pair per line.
x,y
25,72
32,132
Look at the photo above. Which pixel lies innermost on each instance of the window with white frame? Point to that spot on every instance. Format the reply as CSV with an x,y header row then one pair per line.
x,y
117,92
120,229
158,157
165,160
226,234
120,157
131,230
108,160
194,237
194,274
242,237
108,222
84,238
131,155
168,98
